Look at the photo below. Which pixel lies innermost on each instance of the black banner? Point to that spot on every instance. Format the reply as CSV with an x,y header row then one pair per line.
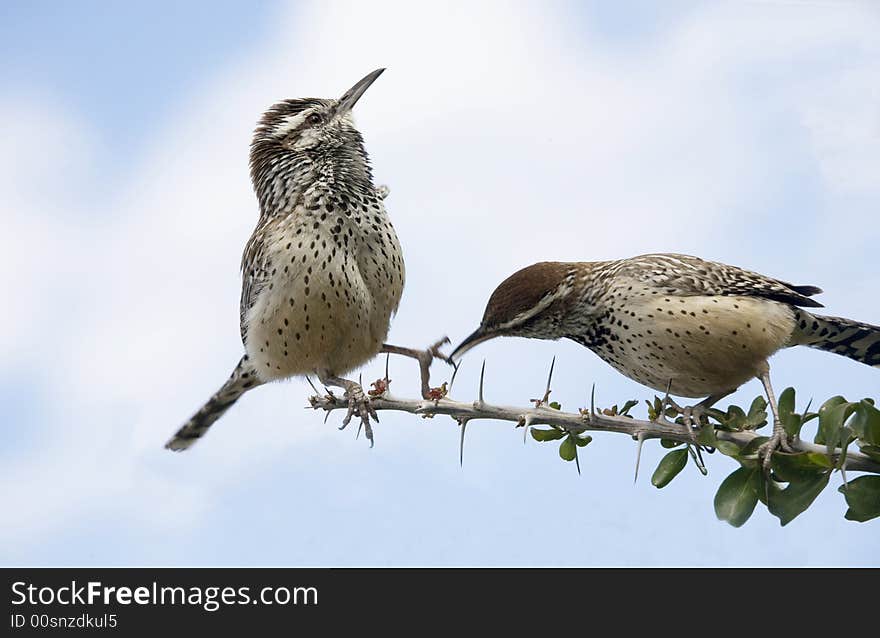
x,y
129,601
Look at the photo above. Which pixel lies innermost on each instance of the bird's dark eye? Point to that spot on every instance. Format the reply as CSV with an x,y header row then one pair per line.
x,y
314,119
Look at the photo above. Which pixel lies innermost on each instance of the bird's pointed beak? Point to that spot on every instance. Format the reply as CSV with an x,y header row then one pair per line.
x,y
347,101
478,336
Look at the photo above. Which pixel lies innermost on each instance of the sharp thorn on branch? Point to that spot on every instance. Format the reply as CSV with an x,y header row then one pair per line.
x,y
463,422
454,374
697,459
527,418
549,379
593,402
641,439
699,451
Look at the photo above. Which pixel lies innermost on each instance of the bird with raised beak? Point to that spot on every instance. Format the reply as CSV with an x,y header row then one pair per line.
x,y
675,323
323,272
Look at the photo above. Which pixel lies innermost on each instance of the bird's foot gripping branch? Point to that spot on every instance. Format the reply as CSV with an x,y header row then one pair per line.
x,y
846,441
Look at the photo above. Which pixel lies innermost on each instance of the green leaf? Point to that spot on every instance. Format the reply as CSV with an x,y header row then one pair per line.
x,y
582,441
652,411
795,467
717,415
540,434
737,496
568,449
791,421
669,443
757,415
832,415
863,497
669,467
767,487
727,448
751,448
871,450
818,459
555,405
866,423
787,504
629,405
706,436
735,418
786,402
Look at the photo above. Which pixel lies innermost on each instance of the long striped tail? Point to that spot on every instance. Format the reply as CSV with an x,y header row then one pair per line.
x,y
242,379
859,341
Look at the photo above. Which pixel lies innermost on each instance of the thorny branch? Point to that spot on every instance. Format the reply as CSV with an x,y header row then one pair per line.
x,y
588,420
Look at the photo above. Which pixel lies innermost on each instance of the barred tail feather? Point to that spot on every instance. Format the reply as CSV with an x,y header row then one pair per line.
x,y
859,341
241,380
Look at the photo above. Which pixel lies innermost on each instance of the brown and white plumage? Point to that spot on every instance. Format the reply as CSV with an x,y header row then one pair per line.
x,y
669,321
323,271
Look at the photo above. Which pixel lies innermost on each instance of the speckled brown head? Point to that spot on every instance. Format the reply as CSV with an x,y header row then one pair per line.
x,y
529,303
300,142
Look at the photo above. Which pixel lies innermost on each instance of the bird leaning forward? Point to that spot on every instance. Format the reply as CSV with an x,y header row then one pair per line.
x,y
674,323
323,272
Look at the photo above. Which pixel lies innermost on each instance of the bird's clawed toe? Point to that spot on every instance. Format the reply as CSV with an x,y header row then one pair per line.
x,y
779,441
425,358
359,405
434,351
691,416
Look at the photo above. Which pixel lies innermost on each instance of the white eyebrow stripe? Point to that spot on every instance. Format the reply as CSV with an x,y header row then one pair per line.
x,y
544,303
291,122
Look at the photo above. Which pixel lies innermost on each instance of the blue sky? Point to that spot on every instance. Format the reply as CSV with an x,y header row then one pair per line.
x,y
747,132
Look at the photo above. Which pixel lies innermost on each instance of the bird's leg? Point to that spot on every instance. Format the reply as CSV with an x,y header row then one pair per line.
x,y
779,439
383,191
424,357
692,415
358,402
668,402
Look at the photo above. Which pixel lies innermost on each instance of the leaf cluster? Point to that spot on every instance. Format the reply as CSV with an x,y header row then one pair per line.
x,y
793,481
